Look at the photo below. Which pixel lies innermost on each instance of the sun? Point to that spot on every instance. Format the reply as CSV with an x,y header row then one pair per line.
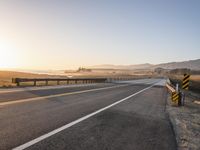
x,y
8,55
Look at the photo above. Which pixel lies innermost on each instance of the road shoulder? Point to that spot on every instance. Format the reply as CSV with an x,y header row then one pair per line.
x,y
186,123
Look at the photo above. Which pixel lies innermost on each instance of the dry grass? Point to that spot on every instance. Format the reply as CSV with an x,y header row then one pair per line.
x,y
6,77
194,84
195,78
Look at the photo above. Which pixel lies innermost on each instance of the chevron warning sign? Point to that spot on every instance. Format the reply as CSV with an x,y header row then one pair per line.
x,y
175,97
185,83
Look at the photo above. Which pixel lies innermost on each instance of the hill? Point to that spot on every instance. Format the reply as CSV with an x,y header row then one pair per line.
x,y
191,64
125,67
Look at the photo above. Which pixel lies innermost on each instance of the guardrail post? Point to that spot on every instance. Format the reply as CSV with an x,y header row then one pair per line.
x,y
179,98
46,82
179,95
182,98
34,82
177,87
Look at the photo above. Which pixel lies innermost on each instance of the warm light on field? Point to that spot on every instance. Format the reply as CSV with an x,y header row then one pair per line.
x,y
8,55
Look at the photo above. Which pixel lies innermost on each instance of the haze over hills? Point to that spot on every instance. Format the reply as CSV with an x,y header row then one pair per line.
x,y
191,64
137,66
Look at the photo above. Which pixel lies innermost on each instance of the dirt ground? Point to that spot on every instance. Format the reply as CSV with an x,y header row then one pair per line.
x,y
186,122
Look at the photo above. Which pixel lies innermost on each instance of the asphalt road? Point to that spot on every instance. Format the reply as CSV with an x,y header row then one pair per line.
x,y
127,115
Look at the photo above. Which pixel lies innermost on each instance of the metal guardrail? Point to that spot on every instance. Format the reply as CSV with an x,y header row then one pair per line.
x,y
76,80
177,96
170,88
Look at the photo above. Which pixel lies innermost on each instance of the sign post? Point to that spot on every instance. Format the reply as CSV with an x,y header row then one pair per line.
x,y
185,83
185,86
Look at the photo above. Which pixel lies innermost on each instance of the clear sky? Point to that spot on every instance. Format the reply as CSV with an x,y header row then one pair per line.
x,y
66,34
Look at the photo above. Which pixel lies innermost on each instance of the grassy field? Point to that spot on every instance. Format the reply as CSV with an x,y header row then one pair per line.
x,y
194,84
6,77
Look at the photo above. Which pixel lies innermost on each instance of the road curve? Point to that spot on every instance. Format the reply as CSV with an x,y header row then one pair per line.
x,y
139,122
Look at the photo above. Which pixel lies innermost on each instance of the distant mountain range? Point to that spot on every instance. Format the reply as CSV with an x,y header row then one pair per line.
x,y
191,64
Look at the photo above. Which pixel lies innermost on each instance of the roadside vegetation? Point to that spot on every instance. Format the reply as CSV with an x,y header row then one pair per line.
x,y
175,76
194,83
6,77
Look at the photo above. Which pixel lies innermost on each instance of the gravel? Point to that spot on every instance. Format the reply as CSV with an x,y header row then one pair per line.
x,y
186,122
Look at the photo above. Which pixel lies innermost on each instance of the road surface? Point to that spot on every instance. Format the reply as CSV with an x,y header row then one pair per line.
x,y
110,116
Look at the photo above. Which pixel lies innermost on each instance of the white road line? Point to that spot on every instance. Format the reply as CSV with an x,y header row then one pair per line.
x,y
34,141
26,89
57,95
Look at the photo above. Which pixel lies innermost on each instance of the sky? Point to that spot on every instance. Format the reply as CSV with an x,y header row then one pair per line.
x,y
67,34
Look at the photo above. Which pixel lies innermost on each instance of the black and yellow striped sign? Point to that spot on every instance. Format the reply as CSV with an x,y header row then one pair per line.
x,y
185,84
175,97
